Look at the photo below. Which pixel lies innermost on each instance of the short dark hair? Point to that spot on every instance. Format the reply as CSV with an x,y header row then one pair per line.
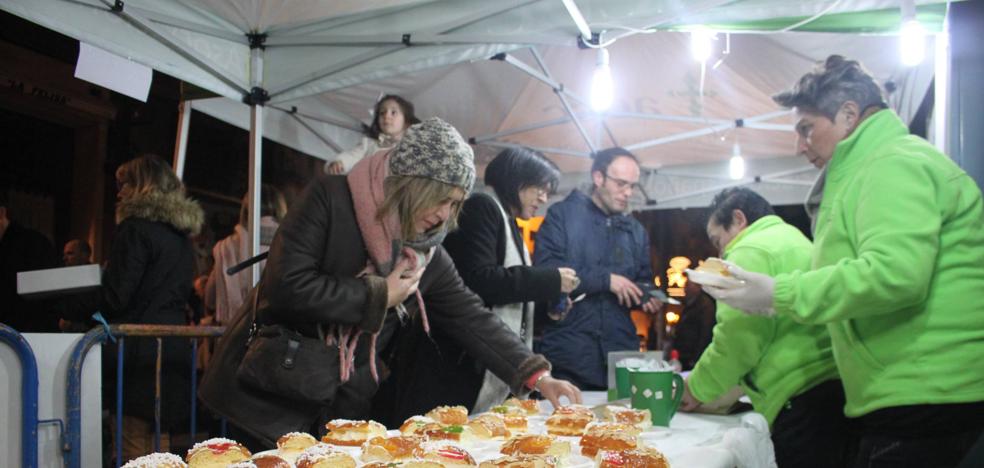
x,y
514,169
409,118
832,83
604,158
753,205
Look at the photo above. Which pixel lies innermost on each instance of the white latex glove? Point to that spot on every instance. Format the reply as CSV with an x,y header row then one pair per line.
x,y
753,295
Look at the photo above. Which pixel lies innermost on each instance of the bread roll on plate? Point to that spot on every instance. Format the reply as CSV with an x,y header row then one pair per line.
x,y
522,461
386,449
216,453
157,460
646,457
535,444
352,433
445,453
713,272
324,456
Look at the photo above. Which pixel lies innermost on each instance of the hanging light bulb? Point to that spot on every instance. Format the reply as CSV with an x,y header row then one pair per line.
x,y
701,44
602,86
912,36
736,167
912,42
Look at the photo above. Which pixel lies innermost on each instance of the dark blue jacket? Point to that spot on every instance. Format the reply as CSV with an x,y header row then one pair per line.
x,y
578,234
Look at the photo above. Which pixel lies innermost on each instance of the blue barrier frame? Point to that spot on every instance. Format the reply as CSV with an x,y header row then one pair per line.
x,y
29,392
73,440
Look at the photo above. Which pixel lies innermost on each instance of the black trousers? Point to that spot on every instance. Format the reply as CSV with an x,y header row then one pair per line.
x,y
923,436
812,431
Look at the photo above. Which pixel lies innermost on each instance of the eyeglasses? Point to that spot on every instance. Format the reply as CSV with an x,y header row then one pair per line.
x,y
540,191
622,184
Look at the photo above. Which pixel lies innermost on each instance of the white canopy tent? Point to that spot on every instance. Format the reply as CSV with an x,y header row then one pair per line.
x,y
306,72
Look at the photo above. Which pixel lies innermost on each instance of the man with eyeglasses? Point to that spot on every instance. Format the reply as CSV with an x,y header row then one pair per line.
x,y
592,234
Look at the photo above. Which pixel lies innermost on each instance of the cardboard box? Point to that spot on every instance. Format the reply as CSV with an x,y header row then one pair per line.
x,y
42,283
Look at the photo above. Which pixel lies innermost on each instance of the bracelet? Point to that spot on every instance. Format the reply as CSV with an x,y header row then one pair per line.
x,y
536,384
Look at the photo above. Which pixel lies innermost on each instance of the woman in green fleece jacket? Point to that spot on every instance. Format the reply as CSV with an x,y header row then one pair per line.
x,y
897,273
786,368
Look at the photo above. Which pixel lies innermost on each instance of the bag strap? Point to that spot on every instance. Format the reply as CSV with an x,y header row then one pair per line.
x,y
253,328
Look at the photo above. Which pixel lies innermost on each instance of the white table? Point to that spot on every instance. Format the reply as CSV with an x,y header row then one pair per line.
x,y
704,440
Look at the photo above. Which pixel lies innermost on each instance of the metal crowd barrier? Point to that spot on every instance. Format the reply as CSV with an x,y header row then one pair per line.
x,y
72,445
29,392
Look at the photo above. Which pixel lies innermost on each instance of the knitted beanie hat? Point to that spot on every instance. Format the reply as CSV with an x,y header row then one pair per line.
x,y
435,150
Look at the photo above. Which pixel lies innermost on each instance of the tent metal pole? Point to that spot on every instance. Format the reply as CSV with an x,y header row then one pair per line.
x,y
803,183
714,189
608,130
705,131
195,6
789,172
373,54
363,40
635,115
494,9
765,178
354,125
334,21
505,144
769,126
669,118
343,20
181,139
521,129
233,36
941,66
255,161
327,141
691,175
776,178
512,60
330,70
679,136
558,90
165,38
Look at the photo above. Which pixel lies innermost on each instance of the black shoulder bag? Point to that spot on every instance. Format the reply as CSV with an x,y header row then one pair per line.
x,y
282,361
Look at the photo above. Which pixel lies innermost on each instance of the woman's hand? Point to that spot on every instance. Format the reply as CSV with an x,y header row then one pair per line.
x,y
401,283
688,403
552,389
568,280
335,168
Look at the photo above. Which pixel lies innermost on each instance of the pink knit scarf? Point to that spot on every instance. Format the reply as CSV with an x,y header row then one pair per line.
x,y
382,240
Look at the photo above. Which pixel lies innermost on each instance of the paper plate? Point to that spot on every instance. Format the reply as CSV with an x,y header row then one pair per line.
x,y
713,279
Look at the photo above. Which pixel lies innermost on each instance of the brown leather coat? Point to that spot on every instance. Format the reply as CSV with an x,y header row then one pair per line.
x,y
310,279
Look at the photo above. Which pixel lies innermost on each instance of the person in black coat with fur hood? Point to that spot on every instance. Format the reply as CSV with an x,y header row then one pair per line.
x,y
147,280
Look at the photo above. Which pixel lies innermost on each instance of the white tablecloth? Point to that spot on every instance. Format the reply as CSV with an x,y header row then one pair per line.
x,y
704,440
